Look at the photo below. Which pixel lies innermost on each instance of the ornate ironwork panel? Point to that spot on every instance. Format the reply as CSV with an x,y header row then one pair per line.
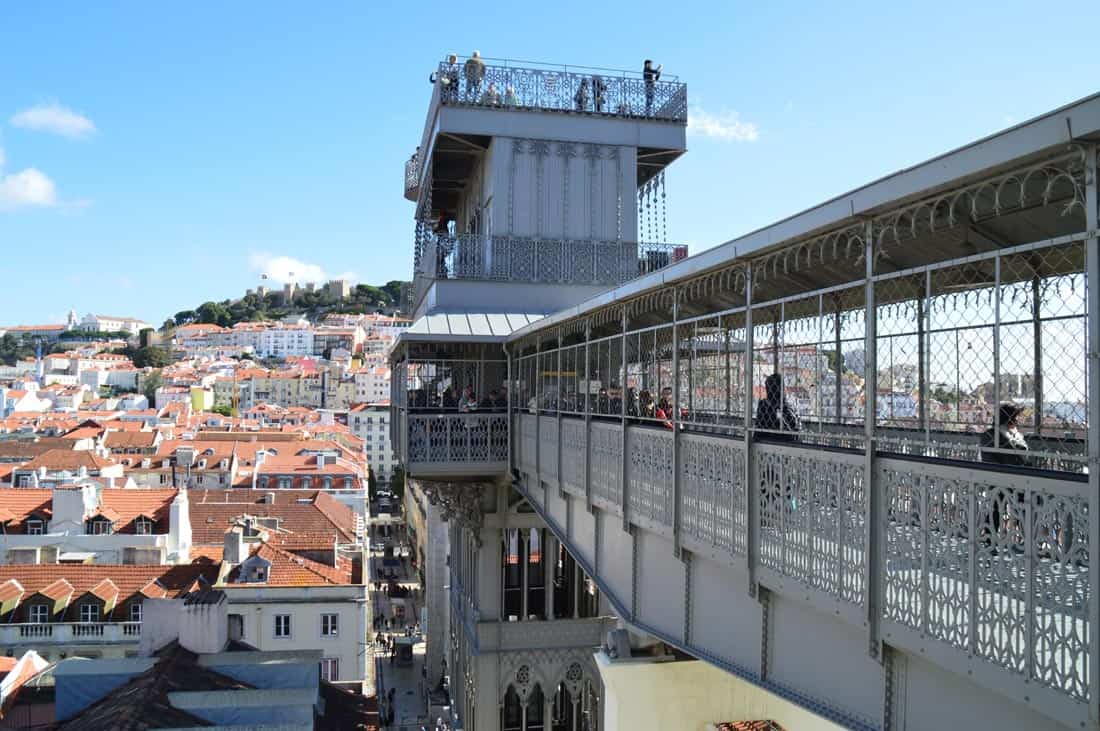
x,y
600,93
548,447
994,564
574,444
528,442
714,506
607,463
812,518
442,438
650,472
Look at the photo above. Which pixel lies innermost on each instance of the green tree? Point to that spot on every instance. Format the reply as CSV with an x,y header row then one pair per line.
x,y
13,349
151,356
168,325
149,386
393,291
185,317
397,483
223,409
372,483
213,313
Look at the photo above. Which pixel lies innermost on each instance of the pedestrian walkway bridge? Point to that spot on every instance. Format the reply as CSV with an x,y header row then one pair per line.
x,y
780,456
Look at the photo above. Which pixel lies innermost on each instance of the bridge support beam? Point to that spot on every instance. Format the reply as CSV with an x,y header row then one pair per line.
x,y
1092,264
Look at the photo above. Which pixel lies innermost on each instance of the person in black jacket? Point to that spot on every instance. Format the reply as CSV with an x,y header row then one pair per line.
x,y
774,414
651,75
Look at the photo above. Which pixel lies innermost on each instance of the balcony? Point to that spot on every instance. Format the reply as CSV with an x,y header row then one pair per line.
x,y
598,92
538,261
455,444
412,176
61,633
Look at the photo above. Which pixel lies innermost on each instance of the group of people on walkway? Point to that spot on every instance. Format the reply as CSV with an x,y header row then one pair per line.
x,y
591,95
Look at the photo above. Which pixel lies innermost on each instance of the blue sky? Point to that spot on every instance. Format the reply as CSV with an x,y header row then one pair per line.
x,y
176,151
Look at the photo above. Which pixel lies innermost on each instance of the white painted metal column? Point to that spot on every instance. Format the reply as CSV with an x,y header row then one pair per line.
x,y
1092,265
872,568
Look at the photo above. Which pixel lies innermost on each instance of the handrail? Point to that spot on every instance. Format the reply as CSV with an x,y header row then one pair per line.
x,y
527,88
515,62
539,260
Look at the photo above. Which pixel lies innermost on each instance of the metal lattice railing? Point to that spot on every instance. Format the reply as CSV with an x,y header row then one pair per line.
x,y
412,171
457,438
544,261
612,93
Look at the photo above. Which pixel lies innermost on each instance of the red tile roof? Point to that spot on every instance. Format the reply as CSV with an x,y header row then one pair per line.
x,y
10,589
59,582
130,439
121,506
214,511
288,569
61,459
58,589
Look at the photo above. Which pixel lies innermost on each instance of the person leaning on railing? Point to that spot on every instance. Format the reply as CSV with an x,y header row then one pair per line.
x,y
448,78
475,72
780,423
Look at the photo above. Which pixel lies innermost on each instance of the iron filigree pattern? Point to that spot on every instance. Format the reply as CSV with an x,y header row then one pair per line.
x,y
996,567
548,447
574,454
458,501
551,90
649,470
528,442
712,490
418,439
812,518
607,463
536,259
440,438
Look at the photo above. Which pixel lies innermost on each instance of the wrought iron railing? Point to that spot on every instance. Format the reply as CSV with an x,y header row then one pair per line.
x,y
456,438
544,261
412,172
992,563
611,93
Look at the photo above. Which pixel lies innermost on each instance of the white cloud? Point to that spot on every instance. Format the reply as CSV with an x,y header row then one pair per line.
x,y
28,187
1,159
726,126
284,269
54,118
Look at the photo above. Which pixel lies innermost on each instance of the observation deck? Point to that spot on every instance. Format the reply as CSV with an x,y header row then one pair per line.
x,y
525,175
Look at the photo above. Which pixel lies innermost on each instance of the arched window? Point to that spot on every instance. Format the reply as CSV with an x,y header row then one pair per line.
x,y
536,710
565,711
517,716
511,715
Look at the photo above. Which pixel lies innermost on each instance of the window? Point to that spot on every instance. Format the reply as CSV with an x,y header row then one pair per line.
x,y
330,625
135,612
330,668
40,613
282,626
34,527
89,612
98,527
143,526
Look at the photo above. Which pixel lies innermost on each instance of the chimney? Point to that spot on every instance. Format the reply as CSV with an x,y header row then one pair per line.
x,y
204,622
235,550
269,498
179,527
